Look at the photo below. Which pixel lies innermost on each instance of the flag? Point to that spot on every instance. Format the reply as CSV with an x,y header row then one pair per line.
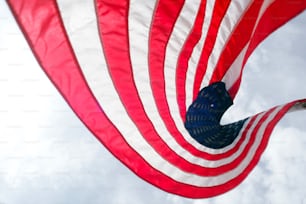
x,y
130,70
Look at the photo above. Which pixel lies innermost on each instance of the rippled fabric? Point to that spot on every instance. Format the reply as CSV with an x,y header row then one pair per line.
x,y
130,69
204,115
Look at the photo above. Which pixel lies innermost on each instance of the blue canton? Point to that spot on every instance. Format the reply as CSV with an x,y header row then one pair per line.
x,y
204,115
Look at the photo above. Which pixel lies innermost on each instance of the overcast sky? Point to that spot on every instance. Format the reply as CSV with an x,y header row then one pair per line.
x,y
48,156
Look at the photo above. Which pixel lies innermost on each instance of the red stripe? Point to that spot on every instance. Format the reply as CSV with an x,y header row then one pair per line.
x,y
182,65
277,14
165,16
219,12
238,40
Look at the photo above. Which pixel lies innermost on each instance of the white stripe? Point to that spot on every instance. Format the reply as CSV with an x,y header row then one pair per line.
x,y
176,42
140,16
101,84
233,15
233,73
196,54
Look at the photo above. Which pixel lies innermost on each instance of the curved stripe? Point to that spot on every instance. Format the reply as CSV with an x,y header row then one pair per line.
x,y
184,56
238,40
195,56
219,12
239,14
176,44
183,59
233,72
277,14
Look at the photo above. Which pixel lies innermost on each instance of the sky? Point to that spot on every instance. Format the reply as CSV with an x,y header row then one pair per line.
x,y
48,156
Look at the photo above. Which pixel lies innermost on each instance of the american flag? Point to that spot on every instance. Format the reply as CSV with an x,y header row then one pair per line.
x,y
130,70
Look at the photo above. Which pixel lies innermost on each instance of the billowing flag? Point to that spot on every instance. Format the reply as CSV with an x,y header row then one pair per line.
x,y
130,70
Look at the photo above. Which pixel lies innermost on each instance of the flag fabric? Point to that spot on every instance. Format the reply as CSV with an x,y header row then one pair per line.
x,y
204,115
130,70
